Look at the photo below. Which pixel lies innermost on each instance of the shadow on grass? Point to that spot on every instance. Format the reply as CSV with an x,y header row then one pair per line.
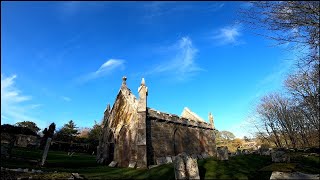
x,y
238,167
105,172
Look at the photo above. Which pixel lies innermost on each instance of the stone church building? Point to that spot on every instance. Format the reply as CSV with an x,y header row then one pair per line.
x,y
136,135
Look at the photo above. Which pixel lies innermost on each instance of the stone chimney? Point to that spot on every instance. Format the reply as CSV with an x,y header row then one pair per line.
x,y
211,120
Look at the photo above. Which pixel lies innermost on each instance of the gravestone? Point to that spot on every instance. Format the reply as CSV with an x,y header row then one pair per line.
x,y
222,153
192,167
179,167
76,176
280,156
161,160
132,164
168,160
113,164
45,152
173,158
186,167
245,151
238,152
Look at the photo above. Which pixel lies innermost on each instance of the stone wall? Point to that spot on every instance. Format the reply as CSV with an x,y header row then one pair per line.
x,y
140,136
119,133
21,140
169,139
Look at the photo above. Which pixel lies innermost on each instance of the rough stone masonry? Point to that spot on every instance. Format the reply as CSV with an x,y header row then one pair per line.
x,y
133,133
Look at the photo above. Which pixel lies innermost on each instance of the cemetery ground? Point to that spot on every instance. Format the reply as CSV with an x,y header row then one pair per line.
x,y
60,165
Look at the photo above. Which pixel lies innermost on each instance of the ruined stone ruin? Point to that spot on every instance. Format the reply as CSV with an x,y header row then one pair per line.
x,y
137,135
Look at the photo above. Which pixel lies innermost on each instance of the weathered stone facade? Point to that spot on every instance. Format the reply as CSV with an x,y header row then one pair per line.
x,y
134,133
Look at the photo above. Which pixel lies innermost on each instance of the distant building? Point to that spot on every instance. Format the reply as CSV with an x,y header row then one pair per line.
x,y
136,134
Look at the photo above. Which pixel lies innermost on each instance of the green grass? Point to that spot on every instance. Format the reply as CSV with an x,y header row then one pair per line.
x,y
55,159
238,167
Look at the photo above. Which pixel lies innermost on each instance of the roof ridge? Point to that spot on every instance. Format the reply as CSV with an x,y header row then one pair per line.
x,y
196,116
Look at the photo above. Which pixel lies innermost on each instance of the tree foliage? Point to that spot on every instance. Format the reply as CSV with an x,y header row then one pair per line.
x,y
227,135
95,134
11,129
68,132
29,124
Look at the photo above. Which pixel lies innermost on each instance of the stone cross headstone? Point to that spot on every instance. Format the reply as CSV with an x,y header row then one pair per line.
x,y
45,152
186,167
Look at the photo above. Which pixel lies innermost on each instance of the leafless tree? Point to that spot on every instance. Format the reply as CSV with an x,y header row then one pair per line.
x,y
292,119
294,22
304,88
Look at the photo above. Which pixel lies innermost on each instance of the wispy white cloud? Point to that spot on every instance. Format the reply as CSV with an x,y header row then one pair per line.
x,y
105,69
228,35
182,64
158,9
66,98
34,106
14,105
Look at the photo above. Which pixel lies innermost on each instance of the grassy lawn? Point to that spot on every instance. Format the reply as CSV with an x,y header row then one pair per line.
x,y
238,167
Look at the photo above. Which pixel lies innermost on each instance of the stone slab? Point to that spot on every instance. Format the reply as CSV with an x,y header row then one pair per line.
x,y
293,175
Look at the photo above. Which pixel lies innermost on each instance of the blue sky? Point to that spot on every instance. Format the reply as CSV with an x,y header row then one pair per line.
x,y
65,60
